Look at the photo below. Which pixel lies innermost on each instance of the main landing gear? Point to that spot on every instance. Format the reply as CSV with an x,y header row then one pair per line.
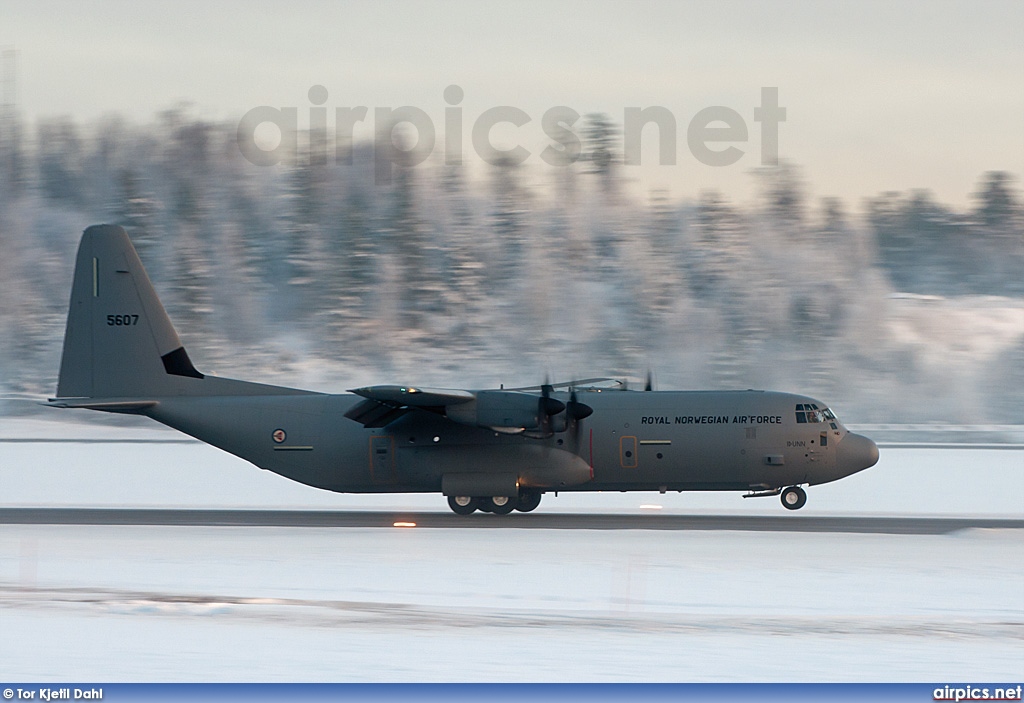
x,y
462,505
499,505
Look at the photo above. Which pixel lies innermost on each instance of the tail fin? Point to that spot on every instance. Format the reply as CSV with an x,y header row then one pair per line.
x,y
119,341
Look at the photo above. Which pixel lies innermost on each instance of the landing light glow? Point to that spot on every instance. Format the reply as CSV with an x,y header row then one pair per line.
x,y
405,524
650,507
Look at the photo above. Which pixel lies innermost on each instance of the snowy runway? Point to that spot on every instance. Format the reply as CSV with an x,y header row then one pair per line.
x,y
276,603
168,603
654,520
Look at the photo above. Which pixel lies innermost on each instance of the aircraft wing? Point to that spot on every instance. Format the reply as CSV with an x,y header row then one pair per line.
x,y
385,404
415,397
507,411
374,413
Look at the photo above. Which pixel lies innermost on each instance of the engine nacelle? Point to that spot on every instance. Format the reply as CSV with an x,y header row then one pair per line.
x,y
503,411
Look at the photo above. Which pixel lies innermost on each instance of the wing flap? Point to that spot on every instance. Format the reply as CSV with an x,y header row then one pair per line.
x,y
373,413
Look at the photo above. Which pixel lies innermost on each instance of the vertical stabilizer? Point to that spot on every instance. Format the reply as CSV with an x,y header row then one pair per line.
x,y
119,341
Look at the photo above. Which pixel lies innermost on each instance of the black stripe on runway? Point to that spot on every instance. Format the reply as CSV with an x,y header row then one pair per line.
x,y
541,521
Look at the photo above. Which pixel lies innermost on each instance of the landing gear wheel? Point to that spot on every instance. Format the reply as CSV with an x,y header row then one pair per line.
x,y
528,500
500,505
462,505
793,498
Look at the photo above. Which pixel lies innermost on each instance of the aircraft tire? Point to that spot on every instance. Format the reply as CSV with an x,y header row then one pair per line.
x,y
528,500
457,506
494,505
793,498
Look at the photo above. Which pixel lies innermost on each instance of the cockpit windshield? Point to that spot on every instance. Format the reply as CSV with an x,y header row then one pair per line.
x,y
809,412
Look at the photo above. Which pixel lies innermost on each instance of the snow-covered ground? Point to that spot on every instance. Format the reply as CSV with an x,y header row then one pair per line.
x,y
293,604
158,603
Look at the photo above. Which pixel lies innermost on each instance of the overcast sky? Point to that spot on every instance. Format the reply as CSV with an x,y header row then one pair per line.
x,y
879,95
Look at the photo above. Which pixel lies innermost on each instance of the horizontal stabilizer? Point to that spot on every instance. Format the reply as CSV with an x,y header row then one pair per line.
x,y
110,406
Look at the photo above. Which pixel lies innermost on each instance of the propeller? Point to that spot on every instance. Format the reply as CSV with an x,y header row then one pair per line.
x,y
649,385
575,412
555,416
547,408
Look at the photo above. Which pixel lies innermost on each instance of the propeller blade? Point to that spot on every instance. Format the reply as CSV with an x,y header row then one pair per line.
x,y
548,405
576,411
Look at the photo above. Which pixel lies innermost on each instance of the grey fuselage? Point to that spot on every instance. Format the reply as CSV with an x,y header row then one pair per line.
x,y
633,441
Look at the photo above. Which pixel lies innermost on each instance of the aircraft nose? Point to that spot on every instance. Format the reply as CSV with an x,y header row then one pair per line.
x,y
855,453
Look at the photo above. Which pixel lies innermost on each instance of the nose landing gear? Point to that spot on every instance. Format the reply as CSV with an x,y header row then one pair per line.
x,y
793,498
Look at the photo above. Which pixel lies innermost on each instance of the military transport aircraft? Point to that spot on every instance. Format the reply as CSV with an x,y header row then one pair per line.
x,y
495,450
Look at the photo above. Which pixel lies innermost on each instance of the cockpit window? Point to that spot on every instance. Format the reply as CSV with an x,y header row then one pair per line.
x,y
809,412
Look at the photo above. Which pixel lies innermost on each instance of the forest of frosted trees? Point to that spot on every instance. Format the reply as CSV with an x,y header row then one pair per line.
x,y
894,309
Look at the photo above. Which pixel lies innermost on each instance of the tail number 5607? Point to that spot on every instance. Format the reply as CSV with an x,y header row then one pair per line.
x,y
122,320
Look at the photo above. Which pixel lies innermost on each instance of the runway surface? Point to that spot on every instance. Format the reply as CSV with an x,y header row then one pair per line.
x,y
538,521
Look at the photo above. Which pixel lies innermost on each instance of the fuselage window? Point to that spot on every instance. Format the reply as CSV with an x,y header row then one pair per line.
x,y
808,412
